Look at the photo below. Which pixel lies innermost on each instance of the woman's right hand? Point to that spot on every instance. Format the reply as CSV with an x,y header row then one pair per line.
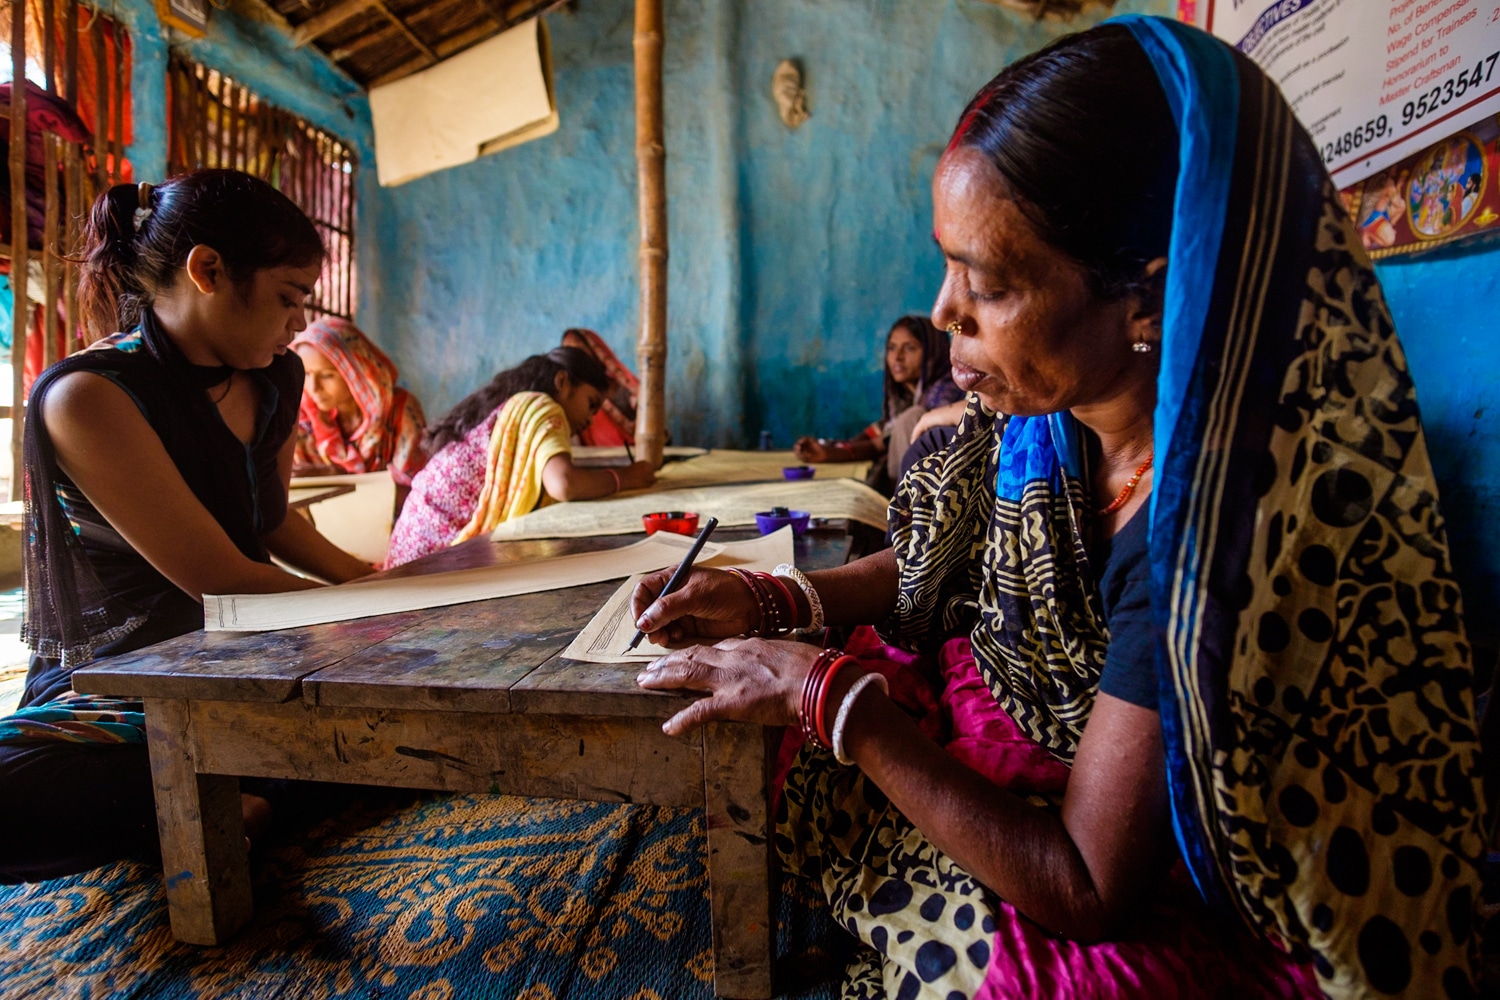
x,y
711,605
810,450
637,475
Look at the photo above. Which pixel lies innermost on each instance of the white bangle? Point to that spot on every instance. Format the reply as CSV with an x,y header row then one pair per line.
x,y
844,708
792,573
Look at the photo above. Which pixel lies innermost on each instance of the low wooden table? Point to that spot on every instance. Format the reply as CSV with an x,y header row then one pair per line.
x,y
469,698
303,497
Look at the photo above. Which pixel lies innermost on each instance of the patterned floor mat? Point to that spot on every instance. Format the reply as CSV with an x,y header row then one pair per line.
x,y
405,896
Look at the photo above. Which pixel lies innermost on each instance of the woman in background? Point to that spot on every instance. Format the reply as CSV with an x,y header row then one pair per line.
x,y
354,417
614,423
917,379
505,450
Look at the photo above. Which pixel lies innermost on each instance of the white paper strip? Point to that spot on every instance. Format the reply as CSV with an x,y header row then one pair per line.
x,y
293,609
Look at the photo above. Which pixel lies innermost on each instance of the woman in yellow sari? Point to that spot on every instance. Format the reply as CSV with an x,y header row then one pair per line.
x,y
505,450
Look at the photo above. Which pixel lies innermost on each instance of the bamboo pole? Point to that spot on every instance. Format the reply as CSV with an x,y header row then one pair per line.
x,y
72,179
49,45
651,166
50,208
228,109
18,240
101,103
117,109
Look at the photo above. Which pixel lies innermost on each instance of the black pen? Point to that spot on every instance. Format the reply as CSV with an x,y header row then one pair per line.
x,y
683,569
629,454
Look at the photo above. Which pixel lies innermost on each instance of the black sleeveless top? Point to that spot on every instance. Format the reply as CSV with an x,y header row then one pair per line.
x,y
88,592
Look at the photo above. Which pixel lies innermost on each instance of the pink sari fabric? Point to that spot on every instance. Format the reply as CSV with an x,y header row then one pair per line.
x,y
1171,951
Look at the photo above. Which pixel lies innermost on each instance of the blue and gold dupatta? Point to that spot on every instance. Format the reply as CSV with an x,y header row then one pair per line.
x,y
1316,681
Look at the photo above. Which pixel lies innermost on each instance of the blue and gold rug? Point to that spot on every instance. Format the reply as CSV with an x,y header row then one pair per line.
x,y
402,896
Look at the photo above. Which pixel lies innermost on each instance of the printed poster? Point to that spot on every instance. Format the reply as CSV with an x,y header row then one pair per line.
x,y
1444,193
1373,81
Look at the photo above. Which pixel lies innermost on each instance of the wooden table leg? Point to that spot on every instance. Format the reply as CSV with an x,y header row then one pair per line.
x,y
199,820
736,791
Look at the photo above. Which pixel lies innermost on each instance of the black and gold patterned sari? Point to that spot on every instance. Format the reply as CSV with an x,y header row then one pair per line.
x,y
1315,679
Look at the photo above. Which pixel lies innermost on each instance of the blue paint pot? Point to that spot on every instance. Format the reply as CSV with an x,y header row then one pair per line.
x,y
779,517
798,472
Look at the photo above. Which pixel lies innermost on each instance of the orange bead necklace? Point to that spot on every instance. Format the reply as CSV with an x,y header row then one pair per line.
x,y
1124,495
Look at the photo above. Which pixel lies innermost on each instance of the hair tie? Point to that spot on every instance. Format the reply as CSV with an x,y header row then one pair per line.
x,y
144,194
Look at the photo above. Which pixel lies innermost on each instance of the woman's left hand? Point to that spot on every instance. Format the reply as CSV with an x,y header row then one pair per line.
x,y
747,680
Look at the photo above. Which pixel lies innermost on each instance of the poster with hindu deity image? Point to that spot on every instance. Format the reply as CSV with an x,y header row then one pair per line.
x,y
1372,81
1446,192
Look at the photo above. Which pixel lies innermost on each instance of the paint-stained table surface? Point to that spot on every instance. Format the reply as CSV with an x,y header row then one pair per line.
x,y
473,697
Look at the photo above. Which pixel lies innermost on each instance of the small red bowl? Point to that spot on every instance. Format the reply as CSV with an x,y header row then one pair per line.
x,y
676,521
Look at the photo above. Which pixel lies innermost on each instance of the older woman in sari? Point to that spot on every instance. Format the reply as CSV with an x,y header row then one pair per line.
x,y
1181,572
354,417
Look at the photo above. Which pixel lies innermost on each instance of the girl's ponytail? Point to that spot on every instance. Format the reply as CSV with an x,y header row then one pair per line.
x,y
138,237
109,289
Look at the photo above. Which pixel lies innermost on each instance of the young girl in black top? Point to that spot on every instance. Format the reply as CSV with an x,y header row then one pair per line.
x,y
156,471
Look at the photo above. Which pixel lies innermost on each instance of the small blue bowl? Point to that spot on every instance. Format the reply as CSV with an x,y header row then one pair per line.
x,y
798,472
768,521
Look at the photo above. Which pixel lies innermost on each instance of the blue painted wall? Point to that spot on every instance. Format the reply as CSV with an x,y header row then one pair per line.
x,y
791,252
1444,303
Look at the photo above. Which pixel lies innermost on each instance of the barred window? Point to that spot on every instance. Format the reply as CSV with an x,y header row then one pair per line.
x,y
213,121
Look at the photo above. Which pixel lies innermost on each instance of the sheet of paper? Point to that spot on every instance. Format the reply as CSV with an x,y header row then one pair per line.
x,y
732,505
618,451
269,612
604,638
722,466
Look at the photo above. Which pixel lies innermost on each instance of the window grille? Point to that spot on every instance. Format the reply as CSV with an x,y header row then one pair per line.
x,y
214,121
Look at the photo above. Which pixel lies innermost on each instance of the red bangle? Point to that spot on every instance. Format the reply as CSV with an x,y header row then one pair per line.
x,y
762,600
824,689
612,472
810,688
788,607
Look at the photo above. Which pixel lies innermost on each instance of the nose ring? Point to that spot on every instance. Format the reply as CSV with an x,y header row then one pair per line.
x,y
955,328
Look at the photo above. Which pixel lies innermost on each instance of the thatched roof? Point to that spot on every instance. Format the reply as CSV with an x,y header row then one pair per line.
x,y
377,41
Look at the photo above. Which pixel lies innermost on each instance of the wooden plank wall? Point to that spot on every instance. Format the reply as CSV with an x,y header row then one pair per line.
x,y
215,121
74,172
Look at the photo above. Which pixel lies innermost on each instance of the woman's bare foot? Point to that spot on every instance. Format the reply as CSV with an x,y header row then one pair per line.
x,y
257,815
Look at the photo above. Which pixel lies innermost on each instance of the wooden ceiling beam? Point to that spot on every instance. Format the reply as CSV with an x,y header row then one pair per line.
x,y
506,16
411,36
353,46
444,49
321,24
356,45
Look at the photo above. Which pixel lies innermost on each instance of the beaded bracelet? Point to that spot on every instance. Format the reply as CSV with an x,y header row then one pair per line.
x,y
773,600
792,573
761,600
781,596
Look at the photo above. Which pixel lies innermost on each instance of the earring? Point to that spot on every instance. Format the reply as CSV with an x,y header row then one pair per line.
x,y
955,328
1141,347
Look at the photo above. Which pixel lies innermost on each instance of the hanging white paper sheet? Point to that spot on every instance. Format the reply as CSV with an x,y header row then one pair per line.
x,y
479,101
